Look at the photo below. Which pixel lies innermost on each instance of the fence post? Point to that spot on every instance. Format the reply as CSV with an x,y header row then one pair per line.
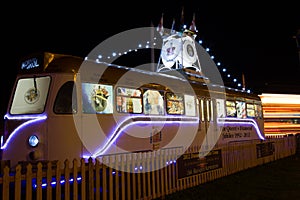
x,y
144,164
149,172
117,171
97,177
133,175
298,145
29,182
67,180
110,177
57,178
49,179
18,182
153,170
75,181
123,160
128,168
91,179
39,176
104,179
6,180
83,178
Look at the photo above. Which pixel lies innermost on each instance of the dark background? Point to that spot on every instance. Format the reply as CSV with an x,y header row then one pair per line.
x,y
246,37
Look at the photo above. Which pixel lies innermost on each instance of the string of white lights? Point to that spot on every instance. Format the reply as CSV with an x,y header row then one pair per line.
x,y
148,44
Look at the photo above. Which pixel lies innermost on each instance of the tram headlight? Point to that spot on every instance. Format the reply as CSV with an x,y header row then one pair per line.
x,y
33,141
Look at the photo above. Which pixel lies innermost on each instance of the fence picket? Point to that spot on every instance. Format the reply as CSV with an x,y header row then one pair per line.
x,y
57,180
67,179
28,182
75,181
5,183
91,179
49,180
39,177
18,182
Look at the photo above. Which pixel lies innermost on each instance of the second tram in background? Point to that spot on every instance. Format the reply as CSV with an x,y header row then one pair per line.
x,y
281,114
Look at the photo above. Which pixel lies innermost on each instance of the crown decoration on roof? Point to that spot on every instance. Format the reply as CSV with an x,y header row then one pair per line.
x,y
178,48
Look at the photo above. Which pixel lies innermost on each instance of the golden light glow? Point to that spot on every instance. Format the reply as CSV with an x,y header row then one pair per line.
x,y
290,99
281,113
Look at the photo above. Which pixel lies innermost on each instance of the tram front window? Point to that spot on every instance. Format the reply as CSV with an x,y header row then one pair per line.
x,y
30,95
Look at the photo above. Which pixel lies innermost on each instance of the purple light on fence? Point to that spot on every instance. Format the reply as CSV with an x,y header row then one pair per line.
x,y
71,180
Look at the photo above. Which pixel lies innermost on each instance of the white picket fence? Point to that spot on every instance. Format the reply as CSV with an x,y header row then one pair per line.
x,y
128,176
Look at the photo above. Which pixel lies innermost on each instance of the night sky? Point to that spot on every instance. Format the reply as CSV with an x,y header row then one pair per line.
x,y
246,37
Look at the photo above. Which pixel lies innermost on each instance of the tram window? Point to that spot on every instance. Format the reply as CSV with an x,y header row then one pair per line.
x,y
241,109
212,110
174,103
202,109
153,102
30,95
258,111
230,108
250,110
208,110
220,107
129,100
189,103
97,98
66,99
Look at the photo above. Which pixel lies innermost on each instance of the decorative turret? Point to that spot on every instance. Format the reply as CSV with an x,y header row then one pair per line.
x,y
179,50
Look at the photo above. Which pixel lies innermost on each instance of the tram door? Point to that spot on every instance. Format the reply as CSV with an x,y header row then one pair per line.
x,y
207,120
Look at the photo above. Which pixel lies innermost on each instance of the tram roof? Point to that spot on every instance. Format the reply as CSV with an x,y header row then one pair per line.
x,y
46,62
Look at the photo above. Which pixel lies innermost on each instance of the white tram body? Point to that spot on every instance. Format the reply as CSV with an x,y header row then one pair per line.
x,y
64,107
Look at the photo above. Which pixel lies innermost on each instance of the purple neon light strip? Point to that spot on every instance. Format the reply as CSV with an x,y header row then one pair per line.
x,y
33,119
156,120
242,121
54,182
20,117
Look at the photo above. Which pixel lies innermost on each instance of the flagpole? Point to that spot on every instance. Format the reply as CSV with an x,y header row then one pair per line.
x,y
243,81
182,30
152,47
160,30
297,39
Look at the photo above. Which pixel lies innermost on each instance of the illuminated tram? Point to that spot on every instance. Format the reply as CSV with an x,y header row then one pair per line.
x,y
57,111
66,107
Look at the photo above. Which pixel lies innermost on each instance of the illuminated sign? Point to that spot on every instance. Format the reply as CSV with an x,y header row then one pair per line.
x,y
30,64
